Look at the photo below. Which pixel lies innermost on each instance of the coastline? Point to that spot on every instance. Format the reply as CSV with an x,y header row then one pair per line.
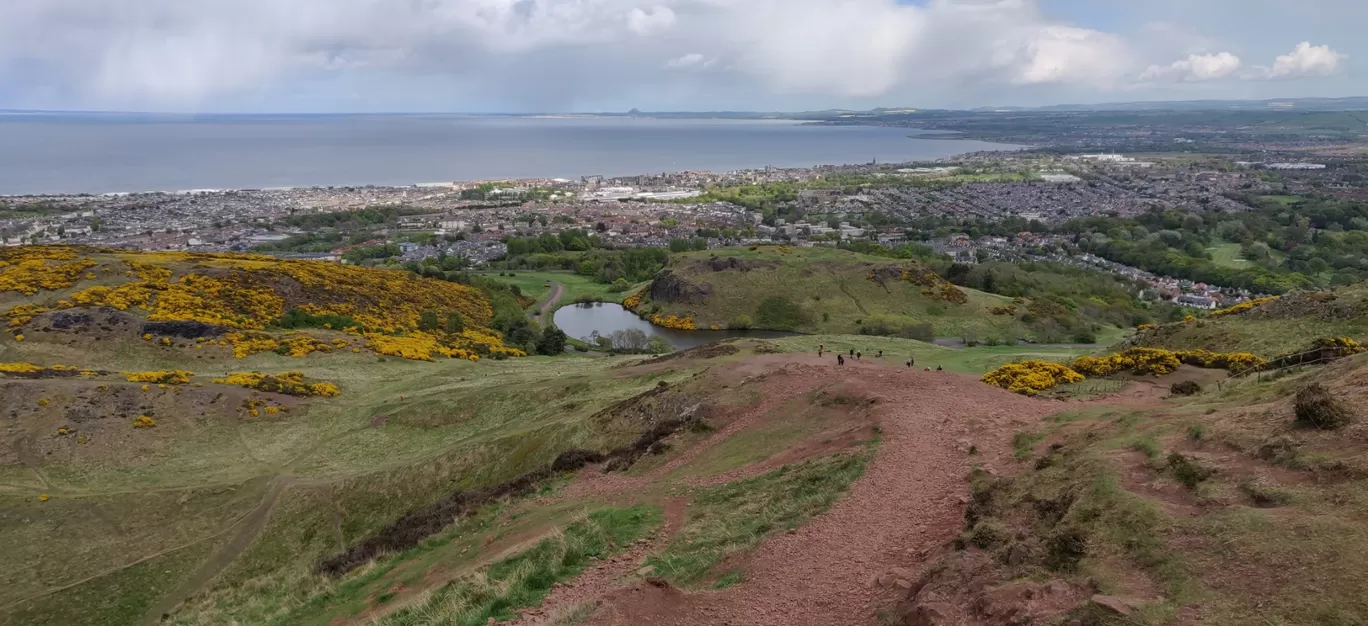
x,y
454,185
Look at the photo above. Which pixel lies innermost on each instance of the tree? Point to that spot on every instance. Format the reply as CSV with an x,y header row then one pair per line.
x,y
428,321
454,322
632,340
552,341
658,345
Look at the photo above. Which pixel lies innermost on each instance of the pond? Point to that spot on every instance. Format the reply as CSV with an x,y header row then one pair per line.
x,y
581,320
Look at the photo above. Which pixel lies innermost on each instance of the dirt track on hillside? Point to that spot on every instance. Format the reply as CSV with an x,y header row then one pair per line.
x,y
845,565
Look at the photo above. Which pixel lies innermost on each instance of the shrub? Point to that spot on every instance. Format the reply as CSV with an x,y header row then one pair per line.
x,y
1031,377
455,323
1186,471
1317,408
167,377
779,313
552,342
143,421
742,322
1185,388
289,383
1065,549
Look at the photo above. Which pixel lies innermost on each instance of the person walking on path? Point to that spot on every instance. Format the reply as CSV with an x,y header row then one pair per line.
x,y
852,352
909,364
857,356
821,347
840,360
881,354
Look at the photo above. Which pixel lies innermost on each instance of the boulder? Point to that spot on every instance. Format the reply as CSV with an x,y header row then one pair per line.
x,y
1114,605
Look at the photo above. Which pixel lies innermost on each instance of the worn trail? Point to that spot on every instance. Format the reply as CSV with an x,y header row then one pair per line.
x,y
846,564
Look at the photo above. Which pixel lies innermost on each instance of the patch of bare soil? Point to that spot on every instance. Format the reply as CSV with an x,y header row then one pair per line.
x,y
605,576
866,550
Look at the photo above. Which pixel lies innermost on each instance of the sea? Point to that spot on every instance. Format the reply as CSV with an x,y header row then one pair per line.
x,y
73,153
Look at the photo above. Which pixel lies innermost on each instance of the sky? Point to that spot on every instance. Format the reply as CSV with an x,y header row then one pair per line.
x,y
323,56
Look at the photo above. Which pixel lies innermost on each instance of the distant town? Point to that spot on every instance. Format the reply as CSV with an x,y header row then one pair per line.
x,y
871,202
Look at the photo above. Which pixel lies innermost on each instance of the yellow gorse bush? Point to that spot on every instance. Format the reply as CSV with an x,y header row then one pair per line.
x,y
1031,377
247,293
288,383
167,377
30,269
143,421
673,321
20,368
1345,344
1244,306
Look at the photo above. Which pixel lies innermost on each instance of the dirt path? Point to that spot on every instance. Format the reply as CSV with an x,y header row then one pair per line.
x,y
846,564
244,531
557,290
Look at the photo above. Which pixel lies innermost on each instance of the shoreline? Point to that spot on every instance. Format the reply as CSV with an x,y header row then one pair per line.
x,y
456,185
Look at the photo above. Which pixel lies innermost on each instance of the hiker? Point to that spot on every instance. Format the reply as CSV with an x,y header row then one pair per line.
x,y
852,352
840,360
911,360
940,369
857,356
821,347
909,364
926,369
881,354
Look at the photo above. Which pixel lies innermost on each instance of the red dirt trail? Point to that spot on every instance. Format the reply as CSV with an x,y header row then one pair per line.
x,y
846,564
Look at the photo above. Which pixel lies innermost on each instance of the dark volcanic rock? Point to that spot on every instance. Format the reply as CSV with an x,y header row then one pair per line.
x,y
670,287
188,330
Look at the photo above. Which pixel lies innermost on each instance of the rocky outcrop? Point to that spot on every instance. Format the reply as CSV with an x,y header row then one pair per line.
x,y
673,288
722,264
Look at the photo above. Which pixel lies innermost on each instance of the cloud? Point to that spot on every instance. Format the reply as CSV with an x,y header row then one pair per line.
x,y
690,60
1306,60
554,53
1195,68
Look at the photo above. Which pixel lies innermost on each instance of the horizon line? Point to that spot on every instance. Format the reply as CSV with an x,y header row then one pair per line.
x,y
4,111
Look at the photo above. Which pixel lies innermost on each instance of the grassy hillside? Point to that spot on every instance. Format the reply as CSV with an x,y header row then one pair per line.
x,y
1289,325
175,444
1214,509
233,306
826,290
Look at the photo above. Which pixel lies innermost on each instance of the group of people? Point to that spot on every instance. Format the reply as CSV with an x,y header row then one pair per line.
x,y
841,358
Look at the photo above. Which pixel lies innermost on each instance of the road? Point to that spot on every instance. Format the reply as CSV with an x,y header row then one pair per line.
x,y
557,290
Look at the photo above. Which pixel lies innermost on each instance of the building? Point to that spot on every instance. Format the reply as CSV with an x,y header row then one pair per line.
x,y
1196,302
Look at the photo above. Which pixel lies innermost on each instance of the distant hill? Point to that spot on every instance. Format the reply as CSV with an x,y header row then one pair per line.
x,y
827,290
93,300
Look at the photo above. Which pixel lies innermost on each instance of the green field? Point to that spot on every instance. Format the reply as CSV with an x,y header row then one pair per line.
x,y
537,285
1228,255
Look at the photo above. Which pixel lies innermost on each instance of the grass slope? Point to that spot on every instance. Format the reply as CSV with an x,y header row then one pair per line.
x,y
1286,326
252,504
832,289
